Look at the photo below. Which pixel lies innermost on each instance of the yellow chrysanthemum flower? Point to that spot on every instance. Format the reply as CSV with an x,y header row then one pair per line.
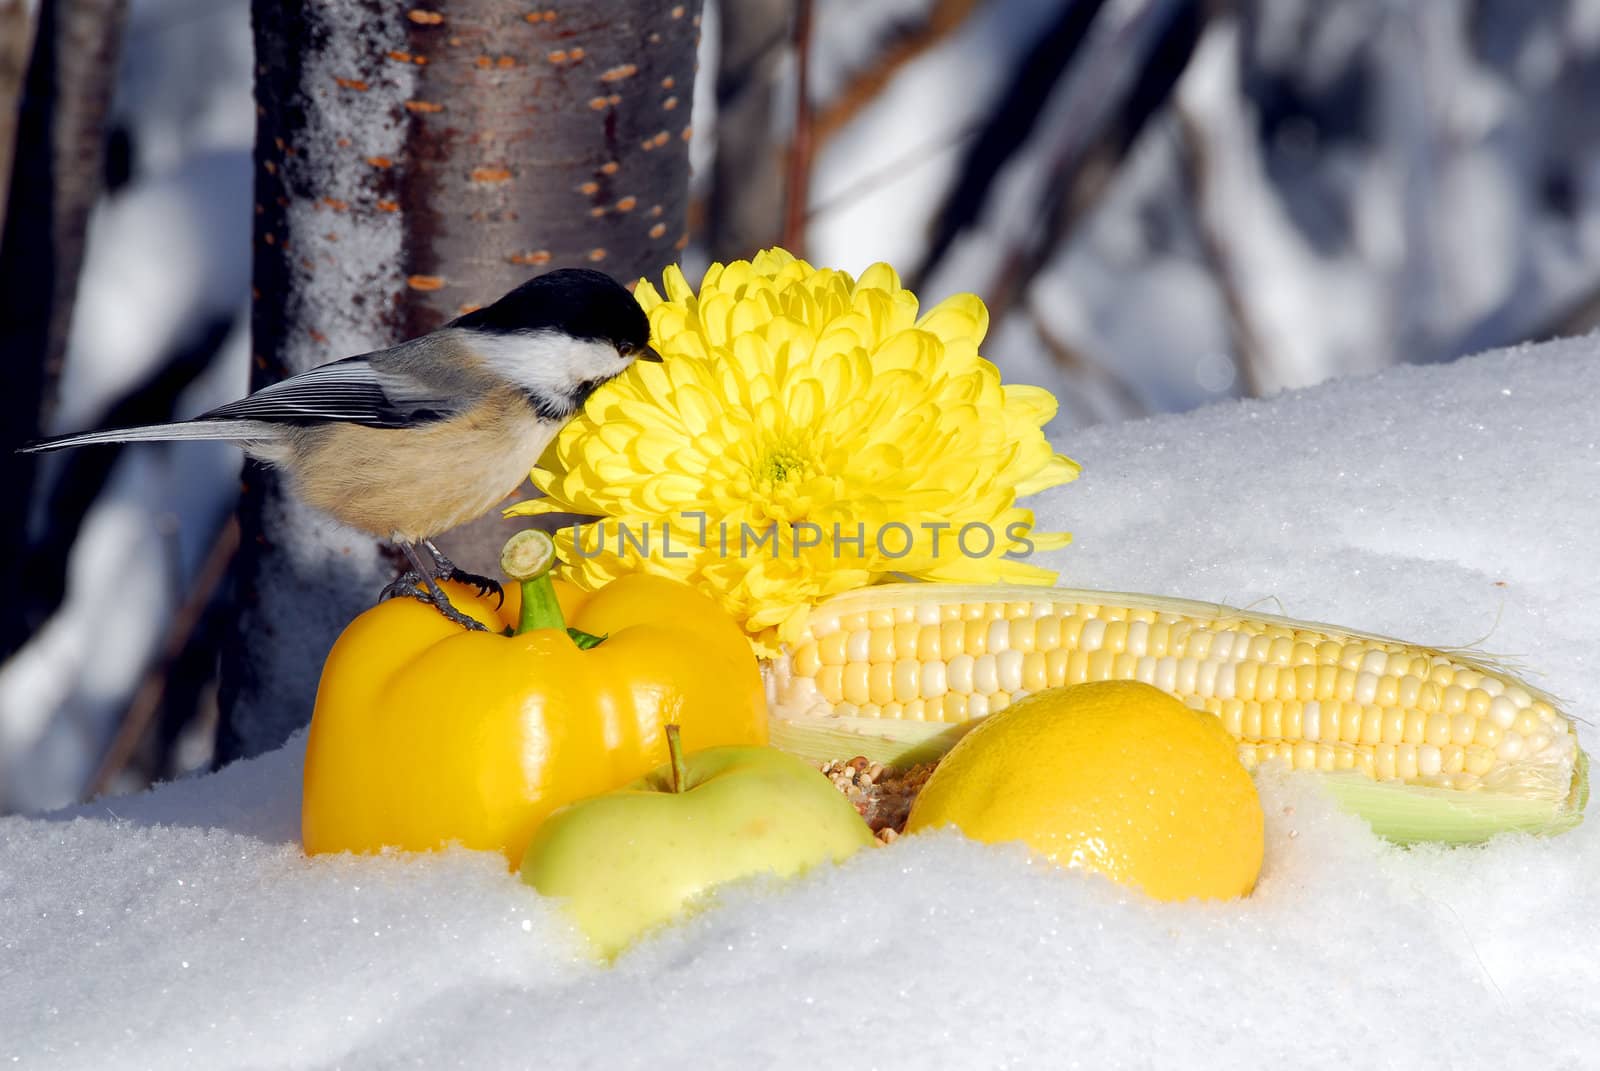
x,y
806,434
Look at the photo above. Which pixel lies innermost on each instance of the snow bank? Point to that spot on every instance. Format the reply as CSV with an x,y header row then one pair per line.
x,y
1447,504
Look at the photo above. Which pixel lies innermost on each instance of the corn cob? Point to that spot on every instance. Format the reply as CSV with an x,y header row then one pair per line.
x,y
1425,744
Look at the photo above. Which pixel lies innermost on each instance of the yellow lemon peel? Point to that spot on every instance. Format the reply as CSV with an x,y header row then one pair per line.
x,y
1116,777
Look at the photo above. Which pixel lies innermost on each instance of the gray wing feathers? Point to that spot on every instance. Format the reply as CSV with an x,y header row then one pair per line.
x,y
353,390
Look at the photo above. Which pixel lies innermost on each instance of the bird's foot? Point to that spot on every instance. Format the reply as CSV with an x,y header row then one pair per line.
x,y
414,585
485,585
441,602
449,570
405,586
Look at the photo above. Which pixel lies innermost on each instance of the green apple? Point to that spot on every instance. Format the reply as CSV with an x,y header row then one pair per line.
x,y
630,860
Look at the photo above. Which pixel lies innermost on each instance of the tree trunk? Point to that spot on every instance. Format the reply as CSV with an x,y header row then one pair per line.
x,y
57,149
412,164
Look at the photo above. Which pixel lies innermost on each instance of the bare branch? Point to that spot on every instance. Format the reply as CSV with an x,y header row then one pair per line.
x,y
1248,357
941,21
745,202
1074,361
136,721
797,189
1083,158
56,179
16,42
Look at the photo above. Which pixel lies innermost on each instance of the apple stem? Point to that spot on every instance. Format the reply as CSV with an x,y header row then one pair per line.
x,y
680,768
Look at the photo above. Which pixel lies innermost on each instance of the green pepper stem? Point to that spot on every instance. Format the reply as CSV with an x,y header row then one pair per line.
x,y
527,559
540,607
680,768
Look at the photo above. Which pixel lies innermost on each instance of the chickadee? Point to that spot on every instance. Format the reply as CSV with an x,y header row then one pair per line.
x,y
410,441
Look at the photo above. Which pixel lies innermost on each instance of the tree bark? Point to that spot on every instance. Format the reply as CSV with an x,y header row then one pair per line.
x,y
413,163
58,154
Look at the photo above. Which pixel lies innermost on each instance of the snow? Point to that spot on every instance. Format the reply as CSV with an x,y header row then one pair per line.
x,y
1450,504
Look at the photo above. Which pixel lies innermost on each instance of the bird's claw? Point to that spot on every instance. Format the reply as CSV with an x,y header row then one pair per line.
x,y
449,570
405,585
445,607
484,585
413,585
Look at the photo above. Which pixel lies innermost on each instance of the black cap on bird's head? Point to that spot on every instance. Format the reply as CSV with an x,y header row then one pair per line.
x,y
587,305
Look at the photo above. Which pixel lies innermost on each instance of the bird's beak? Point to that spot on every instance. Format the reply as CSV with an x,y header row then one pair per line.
x,y
647,353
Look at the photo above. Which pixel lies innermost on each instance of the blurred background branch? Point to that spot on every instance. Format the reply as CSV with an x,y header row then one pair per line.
x,y
16,43
797,181
51,162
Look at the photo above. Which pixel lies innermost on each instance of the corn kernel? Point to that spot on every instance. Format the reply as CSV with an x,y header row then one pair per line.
x,y
1271,719
831,648
1047,633
1077,667
952,638
829,683
985,680
806,661
977,638
907,677
1035,675
1024,635
1245,675
1436,730
906,635
1292,725
954,708
1055,666
1008,669
958,674
1159,639
998,637
856,687
880,682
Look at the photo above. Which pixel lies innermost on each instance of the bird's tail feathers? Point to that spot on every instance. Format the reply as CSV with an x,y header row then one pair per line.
x,y
229,430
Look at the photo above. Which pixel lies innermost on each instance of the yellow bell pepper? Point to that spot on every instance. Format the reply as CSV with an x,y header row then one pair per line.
x,y
425,735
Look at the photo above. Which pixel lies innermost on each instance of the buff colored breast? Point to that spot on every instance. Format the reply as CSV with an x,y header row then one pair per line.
x,y
413,484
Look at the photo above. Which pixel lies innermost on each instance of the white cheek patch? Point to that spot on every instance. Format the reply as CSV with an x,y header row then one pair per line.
x,y
547,363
